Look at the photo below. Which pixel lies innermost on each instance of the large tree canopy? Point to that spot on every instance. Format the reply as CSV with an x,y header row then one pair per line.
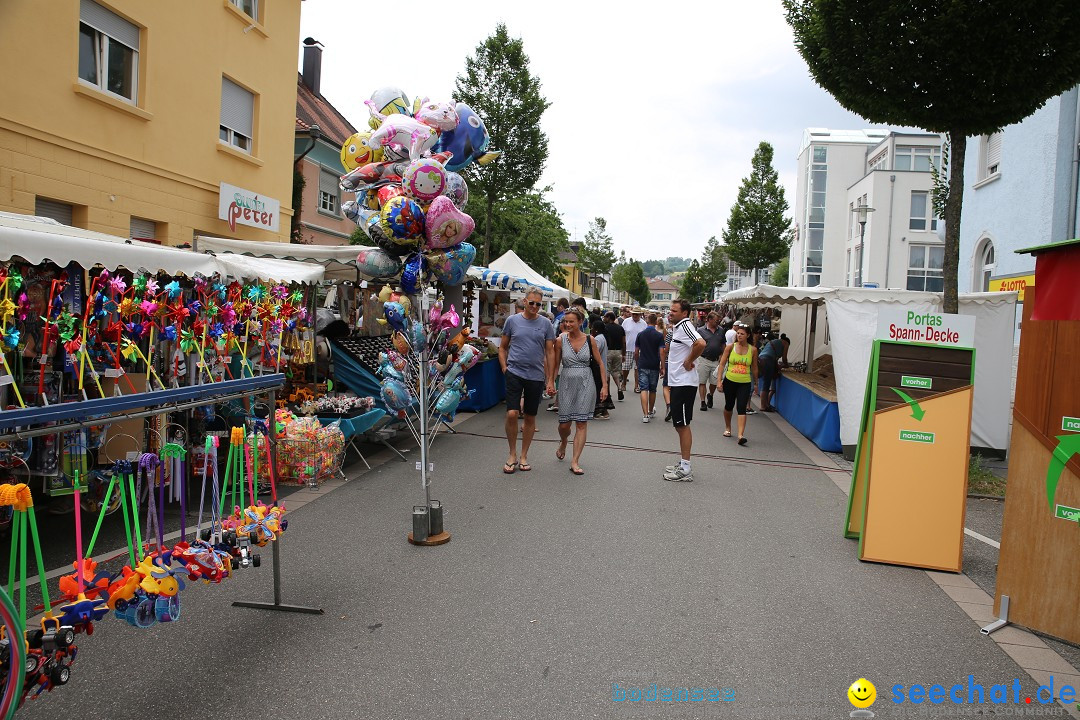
x,y
757,232
530,226
498,86
954,66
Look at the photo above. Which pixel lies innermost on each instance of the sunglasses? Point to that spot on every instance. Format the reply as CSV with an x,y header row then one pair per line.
x,y
533,304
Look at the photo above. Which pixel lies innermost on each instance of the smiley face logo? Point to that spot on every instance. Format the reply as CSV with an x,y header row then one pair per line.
x,y
862,693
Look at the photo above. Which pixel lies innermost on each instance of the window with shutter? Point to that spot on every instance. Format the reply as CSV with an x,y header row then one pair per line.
x,y
237,115
329,192
993,154
58,211
142,229
108,51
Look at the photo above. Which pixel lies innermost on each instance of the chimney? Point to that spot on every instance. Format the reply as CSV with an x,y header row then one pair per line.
x,y
312,64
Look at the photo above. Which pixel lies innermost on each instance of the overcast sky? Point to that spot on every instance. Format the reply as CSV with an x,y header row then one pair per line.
x,y
654,115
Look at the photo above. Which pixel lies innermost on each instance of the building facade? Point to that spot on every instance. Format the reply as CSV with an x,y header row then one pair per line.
x,y
318,218
830,161
903,243
663,293
114,129
1020,190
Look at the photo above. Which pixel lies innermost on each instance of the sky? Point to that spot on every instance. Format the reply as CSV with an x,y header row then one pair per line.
x,y
654,115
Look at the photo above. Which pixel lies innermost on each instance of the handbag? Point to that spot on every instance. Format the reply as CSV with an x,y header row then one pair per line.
x,y
593,365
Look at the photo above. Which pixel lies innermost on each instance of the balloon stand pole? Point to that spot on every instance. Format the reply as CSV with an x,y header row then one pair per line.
x,y
275,544
435,534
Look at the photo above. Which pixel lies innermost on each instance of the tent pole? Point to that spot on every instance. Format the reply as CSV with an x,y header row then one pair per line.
x,y
811,343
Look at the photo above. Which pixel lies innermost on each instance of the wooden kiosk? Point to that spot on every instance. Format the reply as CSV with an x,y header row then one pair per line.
x,y
1038,580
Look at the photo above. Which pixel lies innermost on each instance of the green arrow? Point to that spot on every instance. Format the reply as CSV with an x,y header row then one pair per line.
x,y
1068,445
916,411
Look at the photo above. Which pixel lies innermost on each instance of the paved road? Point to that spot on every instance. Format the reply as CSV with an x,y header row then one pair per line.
x,y
554,589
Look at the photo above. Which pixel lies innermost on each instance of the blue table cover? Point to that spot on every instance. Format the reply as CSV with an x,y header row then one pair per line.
x,y
486,380
812,415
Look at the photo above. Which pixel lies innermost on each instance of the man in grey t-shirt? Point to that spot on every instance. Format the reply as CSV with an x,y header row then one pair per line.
x,y
526,351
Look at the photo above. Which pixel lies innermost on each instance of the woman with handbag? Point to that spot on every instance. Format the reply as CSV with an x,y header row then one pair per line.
x,y
575,353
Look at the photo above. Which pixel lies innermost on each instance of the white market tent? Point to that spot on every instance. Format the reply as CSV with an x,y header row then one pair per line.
x,y
36,239
512,265
846,331
339,261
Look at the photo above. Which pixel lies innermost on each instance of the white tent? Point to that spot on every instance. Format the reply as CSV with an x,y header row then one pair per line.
x,y
37,239
848,328
512,265
339,260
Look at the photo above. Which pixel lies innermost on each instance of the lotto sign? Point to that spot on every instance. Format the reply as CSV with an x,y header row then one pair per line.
x,y
930,328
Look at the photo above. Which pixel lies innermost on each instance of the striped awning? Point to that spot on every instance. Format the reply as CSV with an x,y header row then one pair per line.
x,y
504,281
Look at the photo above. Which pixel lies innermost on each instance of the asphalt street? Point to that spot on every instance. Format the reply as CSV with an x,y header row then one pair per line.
x,y
556,593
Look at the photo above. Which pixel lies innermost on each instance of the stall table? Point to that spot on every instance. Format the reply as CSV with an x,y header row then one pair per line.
x,y
486,380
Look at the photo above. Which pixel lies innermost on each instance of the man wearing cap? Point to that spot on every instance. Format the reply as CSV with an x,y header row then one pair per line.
x,y
631,327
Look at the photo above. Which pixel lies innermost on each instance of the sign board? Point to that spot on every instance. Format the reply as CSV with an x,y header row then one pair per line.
x,y
930,328
1017,283
909,482
244,207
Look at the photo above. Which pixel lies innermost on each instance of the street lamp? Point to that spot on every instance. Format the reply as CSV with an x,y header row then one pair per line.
x,y
863,211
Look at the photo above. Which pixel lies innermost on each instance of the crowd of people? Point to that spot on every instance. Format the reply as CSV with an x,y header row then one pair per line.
x,y
574,359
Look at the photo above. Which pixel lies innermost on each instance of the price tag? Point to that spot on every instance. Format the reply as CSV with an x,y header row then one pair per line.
x,y
430,467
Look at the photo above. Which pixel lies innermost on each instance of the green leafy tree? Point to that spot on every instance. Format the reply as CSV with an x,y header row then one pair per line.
x,y
596,255
676,264
780,274
627,277
757,232
924,64
714,264
529,225
652,268
694,286
497,84
359,237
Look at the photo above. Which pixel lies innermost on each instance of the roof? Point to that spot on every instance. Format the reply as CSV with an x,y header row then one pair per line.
x,y
1035,250
510,264
771,295
312,109
661,285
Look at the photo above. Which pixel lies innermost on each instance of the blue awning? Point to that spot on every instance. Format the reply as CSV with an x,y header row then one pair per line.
x,y
504,281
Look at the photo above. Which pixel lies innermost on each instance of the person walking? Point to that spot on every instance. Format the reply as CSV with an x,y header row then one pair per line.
x,y
574,352
709,361
632,327
596,329
526,354
773,357
616,349
739,379
647,348
686,346
664,371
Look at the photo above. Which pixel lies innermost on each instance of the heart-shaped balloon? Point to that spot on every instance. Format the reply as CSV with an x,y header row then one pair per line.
x,y
457,190
424,179
446,226
377,263
451,266
402,219
412,273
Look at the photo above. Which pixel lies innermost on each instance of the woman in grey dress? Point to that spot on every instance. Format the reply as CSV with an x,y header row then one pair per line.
x,y
577,391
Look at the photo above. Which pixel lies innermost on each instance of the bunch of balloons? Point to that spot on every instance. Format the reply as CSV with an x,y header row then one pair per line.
x,y
425,350
410,199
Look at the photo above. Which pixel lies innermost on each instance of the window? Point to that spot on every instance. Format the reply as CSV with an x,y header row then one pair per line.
x,y
925,268
984,266
917,158
329,193
142,229
237,115
922,212
989,156
817,177
248,7
58,211
108,51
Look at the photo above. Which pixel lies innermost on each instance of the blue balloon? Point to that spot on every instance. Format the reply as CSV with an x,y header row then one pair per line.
x,y
395,315
412,274
468,141
395,395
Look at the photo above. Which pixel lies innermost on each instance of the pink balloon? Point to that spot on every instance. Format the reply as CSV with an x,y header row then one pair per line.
x,y
449,320
445,225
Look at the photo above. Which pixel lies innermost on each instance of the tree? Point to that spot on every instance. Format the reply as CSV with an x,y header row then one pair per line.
x,y
498,86
714,264
530,226
596,255
627,277
924,64
676,264
652,268
757,233
694,286
780,273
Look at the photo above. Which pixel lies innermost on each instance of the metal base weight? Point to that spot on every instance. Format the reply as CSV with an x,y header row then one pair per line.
x,y
440,539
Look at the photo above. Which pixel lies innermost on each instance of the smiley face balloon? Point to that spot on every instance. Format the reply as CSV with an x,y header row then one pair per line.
x,y
354,153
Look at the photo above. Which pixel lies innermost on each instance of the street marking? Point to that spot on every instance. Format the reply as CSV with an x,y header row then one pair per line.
x,y
982,538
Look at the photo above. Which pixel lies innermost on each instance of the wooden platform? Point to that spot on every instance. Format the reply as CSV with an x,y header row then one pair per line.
x,y
823,387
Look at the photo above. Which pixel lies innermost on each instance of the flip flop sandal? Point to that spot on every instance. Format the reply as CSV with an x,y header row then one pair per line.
x,y
727,433
742,441
560,454
509,468
524,467
577,472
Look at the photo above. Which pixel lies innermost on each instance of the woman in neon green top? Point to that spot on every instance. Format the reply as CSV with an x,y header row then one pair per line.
x,y
740,378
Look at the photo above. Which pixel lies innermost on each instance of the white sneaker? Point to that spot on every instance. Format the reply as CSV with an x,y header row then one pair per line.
x,y
679,475
645,419
652,413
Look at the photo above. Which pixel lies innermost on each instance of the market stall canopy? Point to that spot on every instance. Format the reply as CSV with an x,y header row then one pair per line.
x,y
502,281
338,260
37,239
512,265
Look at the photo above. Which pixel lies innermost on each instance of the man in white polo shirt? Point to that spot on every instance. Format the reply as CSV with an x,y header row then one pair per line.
x,y
632,327
686,346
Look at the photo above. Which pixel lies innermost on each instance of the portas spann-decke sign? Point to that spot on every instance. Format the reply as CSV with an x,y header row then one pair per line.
x,y
926,327
243,207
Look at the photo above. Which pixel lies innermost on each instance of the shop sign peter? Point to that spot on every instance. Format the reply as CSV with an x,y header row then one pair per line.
x,y
244,207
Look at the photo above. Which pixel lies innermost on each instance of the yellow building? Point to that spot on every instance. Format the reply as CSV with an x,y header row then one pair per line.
x,y
109,108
